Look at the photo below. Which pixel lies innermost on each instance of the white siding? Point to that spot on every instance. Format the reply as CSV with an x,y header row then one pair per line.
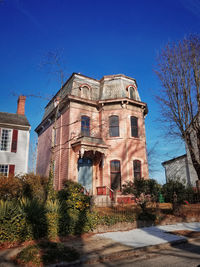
x,y
20,158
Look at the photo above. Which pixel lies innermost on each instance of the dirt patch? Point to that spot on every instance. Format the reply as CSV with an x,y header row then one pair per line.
x,y
186,233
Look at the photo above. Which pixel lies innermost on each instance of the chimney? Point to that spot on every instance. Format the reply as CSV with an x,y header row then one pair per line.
x,y
21,105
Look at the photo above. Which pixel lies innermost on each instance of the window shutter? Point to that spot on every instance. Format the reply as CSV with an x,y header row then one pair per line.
x,y
11,169
14,141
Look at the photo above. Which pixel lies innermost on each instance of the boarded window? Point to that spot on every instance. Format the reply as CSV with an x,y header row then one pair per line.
x,y
114,126
115,174
134,126
14,141
85,126
137,169
11,169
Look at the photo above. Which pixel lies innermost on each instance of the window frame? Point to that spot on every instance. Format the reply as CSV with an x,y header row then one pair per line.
x,y
83,94
134,127
9,141
85,129
111,127
135,171
4,173
114,172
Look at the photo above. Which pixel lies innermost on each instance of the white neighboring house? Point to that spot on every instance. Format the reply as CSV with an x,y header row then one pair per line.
x,y
14,141
180,169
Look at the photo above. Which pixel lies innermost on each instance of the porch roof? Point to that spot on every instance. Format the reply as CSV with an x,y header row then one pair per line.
x,y
88,143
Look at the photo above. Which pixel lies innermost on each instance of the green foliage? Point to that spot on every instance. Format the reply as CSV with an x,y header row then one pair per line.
x,y
12,221
73,195
52,218
171,187
140,186
147,216
35,216
51,194
46,253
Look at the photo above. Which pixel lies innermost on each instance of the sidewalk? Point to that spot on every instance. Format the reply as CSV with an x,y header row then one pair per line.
x,y
114,245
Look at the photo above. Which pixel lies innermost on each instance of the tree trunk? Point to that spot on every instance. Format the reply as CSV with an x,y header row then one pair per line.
x,y
193,155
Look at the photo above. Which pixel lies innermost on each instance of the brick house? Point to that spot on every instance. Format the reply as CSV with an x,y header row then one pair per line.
x,y
94,133
14,141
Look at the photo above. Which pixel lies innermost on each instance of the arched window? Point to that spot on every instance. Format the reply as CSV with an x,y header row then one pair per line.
x,y
85,126
131,91
85,91
137,169
134,126
114,126
115,175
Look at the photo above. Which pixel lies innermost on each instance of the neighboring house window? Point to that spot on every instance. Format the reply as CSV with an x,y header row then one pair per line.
x,y
137,169
115,175
85,126
114,126
5,141
134,126
3,170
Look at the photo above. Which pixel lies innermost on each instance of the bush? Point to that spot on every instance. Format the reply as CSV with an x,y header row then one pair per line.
x,y
73,195
52,218
35,216
171,187
28,186
10,188
34,186
142,186
12,222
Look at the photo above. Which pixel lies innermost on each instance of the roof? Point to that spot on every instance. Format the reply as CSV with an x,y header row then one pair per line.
x,y
13,119
174,159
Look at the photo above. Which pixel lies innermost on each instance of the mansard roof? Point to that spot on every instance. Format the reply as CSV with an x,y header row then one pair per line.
x,y
115,86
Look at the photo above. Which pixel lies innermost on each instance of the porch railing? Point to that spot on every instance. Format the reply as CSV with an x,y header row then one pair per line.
x,y
105,190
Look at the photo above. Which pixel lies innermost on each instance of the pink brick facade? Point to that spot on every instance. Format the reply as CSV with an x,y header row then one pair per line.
x,y
97,100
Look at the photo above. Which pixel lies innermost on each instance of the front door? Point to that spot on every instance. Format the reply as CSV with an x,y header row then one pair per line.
x,y
85,173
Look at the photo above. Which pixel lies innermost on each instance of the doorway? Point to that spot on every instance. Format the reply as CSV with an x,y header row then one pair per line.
x,y
85,173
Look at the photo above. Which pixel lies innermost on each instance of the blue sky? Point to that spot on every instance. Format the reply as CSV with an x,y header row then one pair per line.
x,y
97,38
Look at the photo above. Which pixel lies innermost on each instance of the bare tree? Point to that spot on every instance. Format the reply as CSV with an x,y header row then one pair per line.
x,y
178,68
54,64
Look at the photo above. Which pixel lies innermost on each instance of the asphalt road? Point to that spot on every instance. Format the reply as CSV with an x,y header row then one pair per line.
x,y
183,255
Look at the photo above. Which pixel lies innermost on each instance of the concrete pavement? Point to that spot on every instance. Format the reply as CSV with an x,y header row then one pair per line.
x,y
117,245
150,236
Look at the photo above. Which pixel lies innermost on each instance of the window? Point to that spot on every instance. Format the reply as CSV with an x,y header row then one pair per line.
x,y
137,169
4,170
114,126
134,126
5,141
132,92
115,175
85,126
53,143
85,91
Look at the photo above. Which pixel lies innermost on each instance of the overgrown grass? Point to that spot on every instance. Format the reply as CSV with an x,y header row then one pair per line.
x,y
46,253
